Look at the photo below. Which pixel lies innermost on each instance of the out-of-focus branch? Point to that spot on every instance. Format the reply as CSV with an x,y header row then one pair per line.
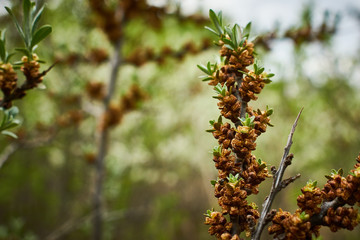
x,y
76,222
103,143
278,184
7,152
14,146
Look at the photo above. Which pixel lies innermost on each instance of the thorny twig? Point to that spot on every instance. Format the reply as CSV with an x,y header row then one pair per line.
x,y
278,184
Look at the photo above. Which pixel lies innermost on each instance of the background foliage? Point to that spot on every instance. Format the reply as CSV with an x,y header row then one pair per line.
x,y
159,166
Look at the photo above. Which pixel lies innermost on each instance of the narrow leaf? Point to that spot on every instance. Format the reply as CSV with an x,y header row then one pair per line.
x,y
35,22
16,23
214,19
2,51
27,21
24,51
229,47
247,30
206,79
204,69
212,30
40,34
10,134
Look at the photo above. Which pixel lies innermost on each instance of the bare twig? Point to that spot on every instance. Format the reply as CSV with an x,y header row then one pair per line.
x,y
277,183
102,145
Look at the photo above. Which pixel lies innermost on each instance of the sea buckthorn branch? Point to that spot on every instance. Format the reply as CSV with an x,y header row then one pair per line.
x,y
29,65
239,172
278,184
331,206
103,144
305,33
112,22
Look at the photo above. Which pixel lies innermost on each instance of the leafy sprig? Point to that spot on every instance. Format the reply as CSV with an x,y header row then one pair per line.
x,y
232,37
221,90
209,70
29,31
248,121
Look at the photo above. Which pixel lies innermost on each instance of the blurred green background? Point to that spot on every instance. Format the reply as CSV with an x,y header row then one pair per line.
x,y
158,167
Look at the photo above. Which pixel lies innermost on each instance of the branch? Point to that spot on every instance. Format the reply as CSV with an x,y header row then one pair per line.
x,y
102,145
19,92
14,146
278,184
317,219
76,222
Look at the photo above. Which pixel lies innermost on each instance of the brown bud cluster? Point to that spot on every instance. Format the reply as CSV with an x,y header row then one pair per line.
x,y
242,58
337,186
127,103
219,225
107,19
95,90
310,200
8,78
224,134
244,142
226,164
252,84
141,56
254,174
288,227
229,106
261,120
70,118
232,199
93,56
342,217
324,207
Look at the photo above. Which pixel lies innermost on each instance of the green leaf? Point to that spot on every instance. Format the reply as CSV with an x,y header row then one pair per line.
x,y
204,69
40,34
206,79
216,22
213,182
269,75
2,51
24,51
229,47
16,23
212,30
10,134
36,19
260,71
235,35
229,42
208,66
246,31
27,20
267,81
8,56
